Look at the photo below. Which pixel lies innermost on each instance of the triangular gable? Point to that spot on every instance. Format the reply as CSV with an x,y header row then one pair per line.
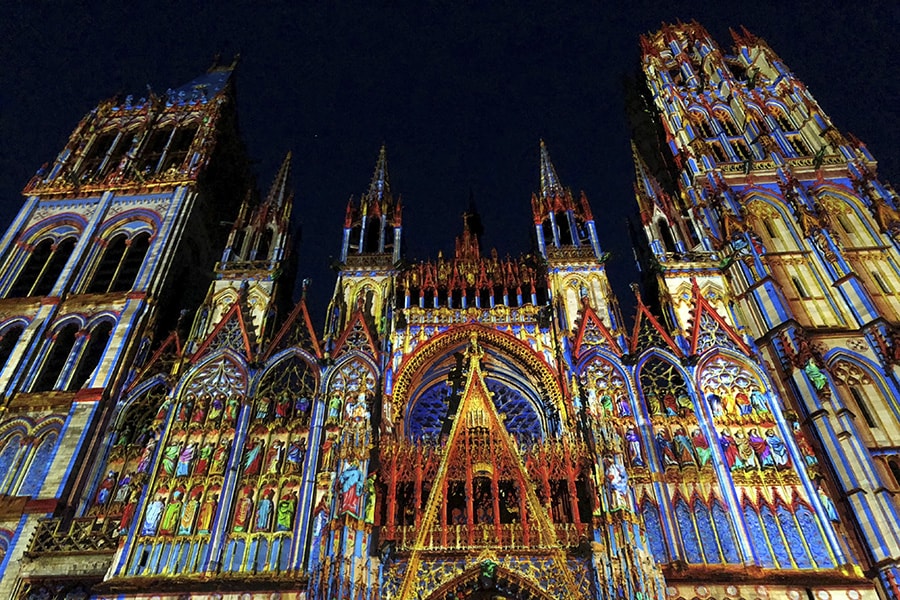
x,y
477,409
231,332
710,329
356,336
297,331
592,332
648,333
162,360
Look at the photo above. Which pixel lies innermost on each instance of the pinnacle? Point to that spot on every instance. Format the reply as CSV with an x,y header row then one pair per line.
x,y
380,187
280,185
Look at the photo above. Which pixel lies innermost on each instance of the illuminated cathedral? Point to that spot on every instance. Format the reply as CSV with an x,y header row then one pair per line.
x,y
466,426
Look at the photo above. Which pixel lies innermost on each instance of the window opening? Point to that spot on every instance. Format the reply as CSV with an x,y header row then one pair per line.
x,y
55,361
881,283
800,288
90,357
861,402
8,342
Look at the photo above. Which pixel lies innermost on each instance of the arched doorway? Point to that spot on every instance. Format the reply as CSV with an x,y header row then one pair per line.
x,y
489,582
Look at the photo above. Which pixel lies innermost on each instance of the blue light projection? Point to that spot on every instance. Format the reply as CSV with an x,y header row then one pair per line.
x,y
427,415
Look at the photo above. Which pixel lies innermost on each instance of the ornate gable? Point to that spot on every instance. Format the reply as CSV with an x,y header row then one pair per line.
x,y
711,330
297,332
356,336
231,332
648,333
163,360
592,332
478,440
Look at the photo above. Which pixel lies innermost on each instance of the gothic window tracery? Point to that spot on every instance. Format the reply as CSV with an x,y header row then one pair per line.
x,y
712,334
859,387
430,410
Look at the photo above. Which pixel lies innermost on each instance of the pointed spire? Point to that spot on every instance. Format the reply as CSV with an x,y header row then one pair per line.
x,y
550,185
380,187
280,189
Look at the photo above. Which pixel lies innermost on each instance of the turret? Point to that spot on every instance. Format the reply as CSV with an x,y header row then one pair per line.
x,y
253,261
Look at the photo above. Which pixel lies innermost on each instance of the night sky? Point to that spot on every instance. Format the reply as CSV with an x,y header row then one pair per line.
x,y
461,93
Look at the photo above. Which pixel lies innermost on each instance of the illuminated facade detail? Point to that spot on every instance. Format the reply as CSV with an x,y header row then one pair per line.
x,y
749,193
466,426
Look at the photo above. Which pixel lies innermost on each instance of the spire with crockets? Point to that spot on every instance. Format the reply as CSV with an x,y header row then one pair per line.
x,y
373,225
559,220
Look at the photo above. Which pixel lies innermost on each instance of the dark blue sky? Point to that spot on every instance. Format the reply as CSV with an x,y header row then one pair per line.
x,y
460,93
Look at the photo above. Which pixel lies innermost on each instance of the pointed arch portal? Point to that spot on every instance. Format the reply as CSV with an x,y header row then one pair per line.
x,y
504,585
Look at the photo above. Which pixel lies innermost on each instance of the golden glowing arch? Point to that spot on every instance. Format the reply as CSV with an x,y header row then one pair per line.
x,y
531,361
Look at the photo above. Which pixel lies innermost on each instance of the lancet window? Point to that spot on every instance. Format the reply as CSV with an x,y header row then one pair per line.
x,y
59,348
95,157
92,346
859,389
42,268
786,535
706,531
119,264
8,340
166,148
25,457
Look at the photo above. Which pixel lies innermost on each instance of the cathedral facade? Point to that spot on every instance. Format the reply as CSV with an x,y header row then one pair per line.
x,y
465,426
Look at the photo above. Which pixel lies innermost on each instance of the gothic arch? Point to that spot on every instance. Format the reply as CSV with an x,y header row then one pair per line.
x,y
528,360
839,204
56,227
131,222
281,360
704,360
11,332
343,363
868,389
37,261
768,211
509,583
595,356
231,366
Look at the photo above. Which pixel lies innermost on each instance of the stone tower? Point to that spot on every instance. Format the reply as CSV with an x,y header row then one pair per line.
x,y
750,193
